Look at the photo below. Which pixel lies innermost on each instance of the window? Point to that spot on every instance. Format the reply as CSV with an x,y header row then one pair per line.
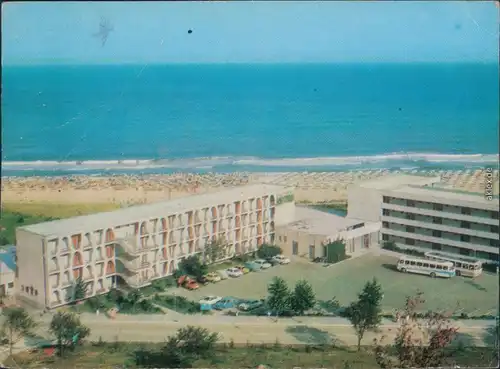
x,y
437,207
410,216
433,266
426,265
410,229
437,220
387,200
458,264
436,234
464,238
494,243
279,238
385,224
471,267
284,238
407,262
465,224
445,268
494,215
385,237
401,262
10,285
410,203
386,212
494,229
419,264
466,211
492,256
464,251
439,267
36,292
22,288
410,241
412,263
436,246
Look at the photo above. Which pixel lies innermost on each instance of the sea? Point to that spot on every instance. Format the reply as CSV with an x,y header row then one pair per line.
x,y
151,119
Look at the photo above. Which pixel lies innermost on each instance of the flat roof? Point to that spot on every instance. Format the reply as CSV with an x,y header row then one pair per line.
x,y
397,180
439,193
132,214
319,222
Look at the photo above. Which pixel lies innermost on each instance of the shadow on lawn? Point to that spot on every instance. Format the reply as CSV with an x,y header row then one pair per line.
x,y
474,284
311,335
391,267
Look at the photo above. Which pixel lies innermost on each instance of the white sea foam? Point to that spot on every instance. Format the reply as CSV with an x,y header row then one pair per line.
x,y
402,160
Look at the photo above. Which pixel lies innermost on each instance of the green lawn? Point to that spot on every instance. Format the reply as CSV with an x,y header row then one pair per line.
x,y
19,214
112,355
345,280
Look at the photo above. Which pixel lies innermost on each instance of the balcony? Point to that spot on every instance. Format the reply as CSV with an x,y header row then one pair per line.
x,y
440,214
440,227
440,240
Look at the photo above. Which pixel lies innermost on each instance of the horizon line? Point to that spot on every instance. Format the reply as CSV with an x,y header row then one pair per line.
x,y
133,63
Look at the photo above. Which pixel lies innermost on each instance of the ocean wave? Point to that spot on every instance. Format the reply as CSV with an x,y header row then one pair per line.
x,y
402,160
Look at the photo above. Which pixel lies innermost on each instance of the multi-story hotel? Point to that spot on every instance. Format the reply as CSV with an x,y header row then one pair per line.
x,y
418,212
138,244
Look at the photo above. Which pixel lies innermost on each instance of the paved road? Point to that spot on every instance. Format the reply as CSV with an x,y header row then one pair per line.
x,y
241,330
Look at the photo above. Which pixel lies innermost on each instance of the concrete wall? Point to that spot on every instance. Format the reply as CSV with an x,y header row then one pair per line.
x,y
285,238
30,265
364,203
285,213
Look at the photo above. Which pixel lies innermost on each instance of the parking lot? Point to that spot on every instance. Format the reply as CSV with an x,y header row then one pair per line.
x,y
345,280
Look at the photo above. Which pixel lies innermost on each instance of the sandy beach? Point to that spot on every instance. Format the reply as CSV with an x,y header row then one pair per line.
x,y
127,190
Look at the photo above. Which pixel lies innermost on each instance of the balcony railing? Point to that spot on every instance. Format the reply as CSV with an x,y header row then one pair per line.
x,y
440,214
439,240
439,227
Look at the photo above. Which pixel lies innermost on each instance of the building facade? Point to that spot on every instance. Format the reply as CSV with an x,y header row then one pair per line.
x,y
139,244
418,213
7,271
309,232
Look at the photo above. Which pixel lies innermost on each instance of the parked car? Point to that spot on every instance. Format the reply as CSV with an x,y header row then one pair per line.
x,y
226,303
263,264
243,269
213,277
252,266
250,305
272,261
234,272
210,300
222,274
281,259
203,280
188,283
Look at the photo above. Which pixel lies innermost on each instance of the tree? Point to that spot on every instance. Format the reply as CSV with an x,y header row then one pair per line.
x,y
78,291
268,251
302,297
134,297
419,342
214,251
279,296
68,330
180,351
17,324
365,314
335,251
193,266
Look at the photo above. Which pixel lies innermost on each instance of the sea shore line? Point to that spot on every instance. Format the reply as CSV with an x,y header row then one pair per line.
x,y
126,190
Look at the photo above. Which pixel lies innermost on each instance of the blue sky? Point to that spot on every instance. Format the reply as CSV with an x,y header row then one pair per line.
x,y
157,32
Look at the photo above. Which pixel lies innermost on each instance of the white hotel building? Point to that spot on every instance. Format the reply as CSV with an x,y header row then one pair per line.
x,y
418,212
138,244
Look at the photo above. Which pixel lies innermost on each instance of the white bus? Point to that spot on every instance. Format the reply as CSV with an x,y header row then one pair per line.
x,y
468,267
433,268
